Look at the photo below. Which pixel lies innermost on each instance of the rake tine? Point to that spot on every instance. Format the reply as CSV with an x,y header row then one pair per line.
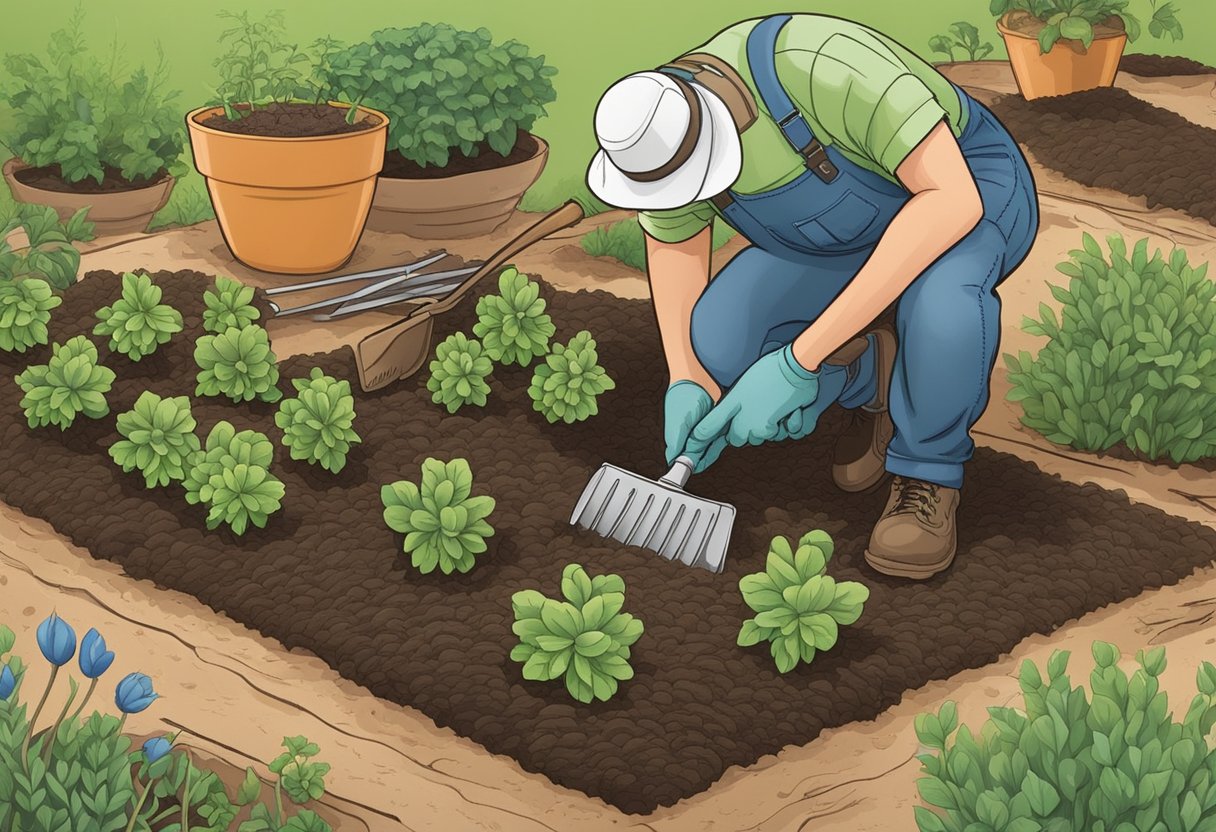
x,y
408,268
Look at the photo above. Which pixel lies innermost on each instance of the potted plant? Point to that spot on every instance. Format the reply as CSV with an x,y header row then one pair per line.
x,y
86,133
1057,47
460,154
290,171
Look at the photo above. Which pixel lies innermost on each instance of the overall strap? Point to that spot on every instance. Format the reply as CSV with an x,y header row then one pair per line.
x,y
761,57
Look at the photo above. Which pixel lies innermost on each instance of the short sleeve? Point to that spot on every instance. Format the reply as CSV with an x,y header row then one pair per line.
x,y
678,224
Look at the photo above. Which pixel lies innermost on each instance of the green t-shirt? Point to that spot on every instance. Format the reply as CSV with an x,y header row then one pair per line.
x,y
861,92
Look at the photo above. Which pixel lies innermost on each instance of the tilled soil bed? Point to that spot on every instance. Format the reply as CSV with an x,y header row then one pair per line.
x,y
327,575
1161,66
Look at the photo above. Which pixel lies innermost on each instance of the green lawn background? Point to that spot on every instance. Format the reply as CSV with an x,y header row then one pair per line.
x,y
591,44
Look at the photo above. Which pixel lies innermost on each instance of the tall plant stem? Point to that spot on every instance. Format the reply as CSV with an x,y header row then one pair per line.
x,y
139,806
29,733
186,796
50,740
87,696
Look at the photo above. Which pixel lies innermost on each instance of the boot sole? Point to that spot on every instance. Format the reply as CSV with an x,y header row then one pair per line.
x,y
895,569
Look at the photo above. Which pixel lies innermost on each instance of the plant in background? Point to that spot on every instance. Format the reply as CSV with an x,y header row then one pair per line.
x,y
228,305
964,36
513,325
1131,358
446,90
25,311
317,423
1164,21
70,384
231,477
48,254
458,373
584,639
1074,20
137,323
1116,760
239,364
445,526
158,439
564,388
799,607
626,242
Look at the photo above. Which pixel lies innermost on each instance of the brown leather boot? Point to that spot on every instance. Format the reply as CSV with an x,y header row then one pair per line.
x,y
915,537
860,459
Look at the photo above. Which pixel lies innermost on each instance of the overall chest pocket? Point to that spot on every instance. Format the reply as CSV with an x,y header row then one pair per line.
x,y
842,225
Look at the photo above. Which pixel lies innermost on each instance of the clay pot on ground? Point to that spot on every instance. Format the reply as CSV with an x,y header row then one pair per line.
x,y
1069,67
468,198
290,197
113,209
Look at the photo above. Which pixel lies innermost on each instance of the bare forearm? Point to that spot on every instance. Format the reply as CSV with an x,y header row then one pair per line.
x,y
678,275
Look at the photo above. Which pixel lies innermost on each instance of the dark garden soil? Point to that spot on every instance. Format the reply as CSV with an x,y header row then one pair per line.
x,y
292,121
397,166
1160,66
327,575
50,178
1108,138
1126,454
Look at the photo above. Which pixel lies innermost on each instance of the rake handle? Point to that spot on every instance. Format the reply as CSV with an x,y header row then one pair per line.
x,y
680,471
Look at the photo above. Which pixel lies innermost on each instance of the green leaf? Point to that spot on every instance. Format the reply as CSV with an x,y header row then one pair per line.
x,y
249,789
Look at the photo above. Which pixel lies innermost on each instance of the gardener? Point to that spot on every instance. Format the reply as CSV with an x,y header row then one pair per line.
x,y
861,177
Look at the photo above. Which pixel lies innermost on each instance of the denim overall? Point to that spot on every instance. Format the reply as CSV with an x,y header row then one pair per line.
x,y
811,236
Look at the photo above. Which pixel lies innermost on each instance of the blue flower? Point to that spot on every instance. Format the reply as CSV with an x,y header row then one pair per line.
x,y
8,682
157,747
95,659
134,693
57,640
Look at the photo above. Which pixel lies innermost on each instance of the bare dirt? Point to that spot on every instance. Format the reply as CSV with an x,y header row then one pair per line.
x,y
1162,66
484,157
50,178
292,121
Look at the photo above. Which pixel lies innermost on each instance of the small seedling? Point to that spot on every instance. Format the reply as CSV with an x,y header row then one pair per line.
x,y
458,373
445,526
25,311
964,36
228,304
513,325
564,388
239,364
70,384
317,423
137,323
48,254
158,439
231,476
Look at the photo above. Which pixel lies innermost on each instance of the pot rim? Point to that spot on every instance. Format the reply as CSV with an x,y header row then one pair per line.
x,y
1005,30
542,149
193,123
15,164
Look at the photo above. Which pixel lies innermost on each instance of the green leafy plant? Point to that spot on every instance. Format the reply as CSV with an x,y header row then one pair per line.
x,y
625,241
298,775
86,118
963,36
585,639
1164,21
445,526
1116,760
138,323
446,90
48,253
799,607
458,373
317,423
187,206
70,384
231,477
25,311
513,325
1131,358
158,439
228,305
1074,20
239,364
564,388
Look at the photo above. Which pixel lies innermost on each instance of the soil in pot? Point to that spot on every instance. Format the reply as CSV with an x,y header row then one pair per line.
x,y
50,178
397,166
292,120
1160,66
1025,23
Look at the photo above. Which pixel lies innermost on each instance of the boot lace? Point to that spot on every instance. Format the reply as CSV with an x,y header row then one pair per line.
x,y
915,497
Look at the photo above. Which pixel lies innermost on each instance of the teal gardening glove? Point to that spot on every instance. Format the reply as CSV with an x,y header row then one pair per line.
x,y
685,404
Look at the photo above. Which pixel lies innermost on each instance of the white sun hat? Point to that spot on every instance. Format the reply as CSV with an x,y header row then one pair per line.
x,y
664,143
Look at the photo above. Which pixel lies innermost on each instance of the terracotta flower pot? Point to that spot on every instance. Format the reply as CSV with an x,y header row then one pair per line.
x,y
111,212
1067,68
455,207
289,205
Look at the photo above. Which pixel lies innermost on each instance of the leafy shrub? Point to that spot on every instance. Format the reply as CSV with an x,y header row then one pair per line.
x,y
565,386
70,384
228,305
584,639
1072,20
231,476
158,439
799,607
25,311
90,117
187,206
317,423
625,241
48,254
458,373
444,525
1131,359
239,364
513,325
444,89
1116,761
961,35
137,323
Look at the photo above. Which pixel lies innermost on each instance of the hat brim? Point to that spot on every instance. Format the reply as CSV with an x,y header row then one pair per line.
x,y
713,167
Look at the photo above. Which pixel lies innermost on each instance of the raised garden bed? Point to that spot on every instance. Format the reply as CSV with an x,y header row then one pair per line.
x,y
328,576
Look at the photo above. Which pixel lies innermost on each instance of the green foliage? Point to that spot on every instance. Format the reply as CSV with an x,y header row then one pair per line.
x,y
137,323
70,384
49,254
187,206
964,36
799,607
1075,19
585,638
158,439
446,90
239,364
86,115
231,477
25,311
458,373
228,304
513,325
444,525
625,241
316,424
1115,761
1131,359
565,386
